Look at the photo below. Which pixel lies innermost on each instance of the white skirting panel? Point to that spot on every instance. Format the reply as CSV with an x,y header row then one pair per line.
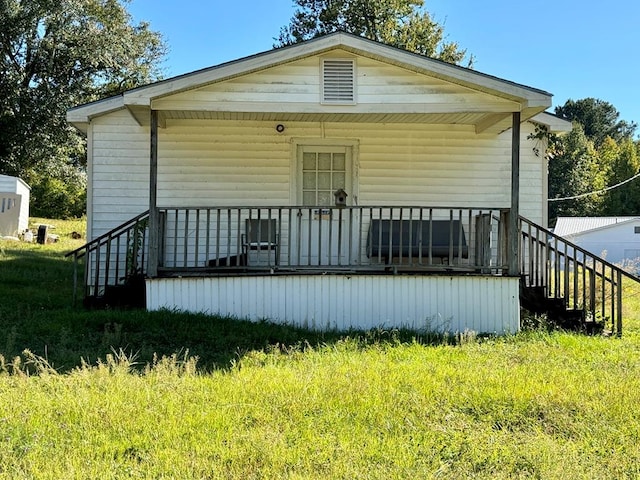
x,y
339,302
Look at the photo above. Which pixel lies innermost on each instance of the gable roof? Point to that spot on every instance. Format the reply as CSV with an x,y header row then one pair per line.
x,y
530,101
9,179
567,226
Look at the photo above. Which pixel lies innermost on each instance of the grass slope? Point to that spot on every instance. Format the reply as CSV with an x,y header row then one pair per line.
x,y
268,401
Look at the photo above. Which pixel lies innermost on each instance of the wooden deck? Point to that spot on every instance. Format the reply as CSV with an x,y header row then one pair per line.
x,y
383,242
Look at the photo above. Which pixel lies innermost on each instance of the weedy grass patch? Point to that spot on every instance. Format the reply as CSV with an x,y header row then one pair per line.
x,y
133,394
535,407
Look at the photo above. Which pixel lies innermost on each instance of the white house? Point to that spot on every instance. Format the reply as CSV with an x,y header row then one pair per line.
x,y
14,205
335,183
617,239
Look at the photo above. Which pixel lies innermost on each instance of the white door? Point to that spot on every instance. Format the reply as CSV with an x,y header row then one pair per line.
x,y
322,234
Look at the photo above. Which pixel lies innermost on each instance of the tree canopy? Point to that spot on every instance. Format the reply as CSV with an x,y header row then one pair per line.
x,y
56,54
400,23
599,119
598,156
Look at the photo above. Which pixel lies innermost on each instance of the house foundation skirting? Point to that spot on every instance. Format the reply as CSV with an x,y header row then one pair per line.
x,y
455,303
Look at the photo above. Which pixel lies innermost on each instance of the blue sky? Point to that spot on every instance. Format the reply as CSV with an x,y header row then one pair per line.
x,y
570,48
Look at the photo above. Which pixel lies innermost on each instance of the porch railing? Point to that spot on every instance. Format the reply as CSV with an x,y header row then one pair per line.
x,y
581,280
333,238
382,238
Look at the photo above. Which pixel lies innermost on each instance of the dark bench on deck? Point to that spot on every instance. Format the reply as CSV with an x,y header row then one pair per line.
x,y
416,239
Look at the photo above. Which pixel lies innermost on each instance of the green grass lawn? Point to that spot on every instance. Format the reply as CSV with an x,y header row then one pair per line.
x,y
263,401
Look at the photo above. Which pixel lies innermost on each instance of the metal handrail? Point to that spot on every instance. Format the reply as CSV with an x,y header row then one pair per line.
x,y
111,233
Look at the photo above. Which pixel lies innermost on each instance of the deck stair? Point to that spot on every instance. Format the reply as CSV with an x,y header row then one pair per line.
x,y
535,300
114,266
573,287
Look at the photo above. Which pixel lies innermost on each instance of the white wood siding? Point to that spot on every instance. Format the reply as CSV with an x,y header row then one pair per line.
x,y
15,185
533,176
10,204
380,87
227,163
118,173
206,163
423,303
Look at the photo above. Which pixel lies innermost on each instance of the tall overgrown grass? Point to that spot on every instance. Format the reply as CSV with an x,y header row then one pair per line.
x,y
131,394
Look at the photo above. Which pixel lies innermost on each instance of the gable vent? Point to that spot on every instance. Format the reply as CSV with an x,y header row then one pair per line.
x,y
338,85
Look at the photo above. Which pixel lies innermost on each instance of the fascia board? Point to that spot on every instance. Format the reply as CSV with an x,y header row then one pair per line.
x,y
84,113
554,123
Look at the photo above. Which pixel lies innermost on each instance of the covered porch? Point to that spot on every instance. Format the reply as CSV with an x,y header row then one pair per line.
x,y
347,273
436,269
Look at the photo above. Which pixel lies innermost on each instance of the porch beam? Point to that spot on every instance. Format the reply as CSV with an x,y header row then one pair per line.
x,y
154,216
514,215
490,120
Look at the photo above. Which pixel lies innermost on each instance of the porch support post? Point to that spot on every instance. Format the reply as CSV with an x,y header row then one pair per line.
x,y
514,215
154,216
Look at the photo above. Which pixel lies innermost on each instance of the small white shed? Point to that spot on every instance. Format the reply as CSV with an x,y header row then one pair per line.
x,y
14,205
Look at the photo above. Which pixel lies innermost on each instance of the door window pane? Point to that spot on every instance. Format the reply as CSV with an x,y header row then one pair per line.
x,y
324,161
324,181
309,180
309,198
325,198
309,161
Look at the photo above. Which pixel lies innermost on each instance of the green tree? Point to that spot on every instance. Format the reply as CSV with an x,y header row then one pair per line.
x,y
598,154
56,54
573,170
598,118
625,163
400,23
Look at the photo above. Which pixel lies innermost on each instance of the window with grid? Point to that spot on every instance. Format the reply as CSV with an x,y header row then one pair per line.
x,y
322,174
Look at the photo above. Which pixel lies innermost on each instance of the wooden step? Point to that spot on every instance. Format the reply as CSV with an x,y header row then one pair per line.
x,y
534,300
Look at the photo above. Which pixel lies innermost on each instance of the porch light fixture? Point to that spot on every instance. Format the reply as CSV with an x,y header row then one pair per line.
x,y
280,128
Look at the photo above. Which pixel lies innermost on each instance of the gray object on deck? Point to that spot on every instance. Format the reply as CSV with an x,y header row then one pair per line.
x,y
261,234
416,239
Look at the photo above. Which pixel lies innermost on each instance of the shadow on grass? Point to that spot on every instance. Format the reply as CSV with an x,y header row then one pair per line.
x,y
66,337
34,277
36,315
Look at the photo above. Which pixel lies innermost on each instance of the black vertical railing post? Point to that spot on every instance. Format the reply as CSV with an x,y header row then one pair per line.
x,y
514,219
619,304
154,221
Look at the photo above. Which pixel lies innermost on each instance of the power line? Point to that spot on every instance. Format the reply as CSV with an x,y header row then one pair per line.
x,y
595,192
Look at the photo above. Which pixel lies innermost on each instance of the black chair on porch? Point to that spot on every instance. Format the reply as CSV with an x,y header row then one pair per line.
x,y
261,235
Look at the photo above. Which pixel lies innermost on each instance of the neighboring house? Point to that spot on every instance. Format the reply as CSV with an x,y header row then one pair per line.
x,y
14,205
337,183
617,239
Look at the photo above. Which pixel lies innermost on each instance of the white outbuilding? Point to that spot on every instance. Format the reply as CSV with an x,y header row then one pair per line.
x,y
14,205
617,239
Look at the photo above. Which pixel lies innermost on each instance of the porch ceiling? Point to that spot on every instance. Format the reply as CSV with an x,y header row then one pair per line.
x,y
483,121
457,118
